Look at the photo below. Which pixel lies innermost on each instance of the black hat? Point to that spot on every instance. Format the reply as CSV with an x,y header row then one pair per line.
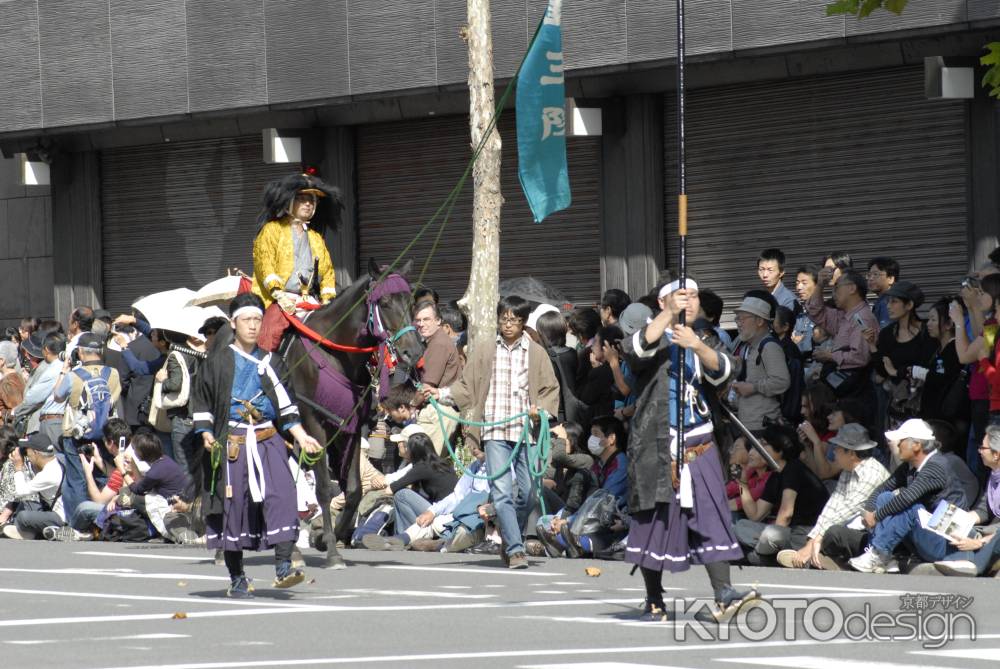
x,y
90,340
906,290
33,345
102,315
39,442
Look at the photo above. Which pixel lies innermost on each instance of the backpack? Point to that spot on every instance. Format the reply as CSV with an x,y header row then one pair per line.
x,y
127,526
790,401
87,421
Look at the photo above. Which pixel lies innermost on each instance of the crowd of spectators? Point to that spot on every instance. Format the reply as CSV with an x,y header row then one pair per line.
x,y
877,406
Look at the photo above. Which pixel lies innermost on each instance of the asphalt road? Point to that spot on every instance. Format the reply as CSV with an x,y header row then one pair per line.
x,y
98,605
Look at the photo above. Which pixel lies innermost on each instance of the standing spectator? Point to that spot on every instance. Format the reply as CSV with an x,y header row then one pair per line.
x,y
712,307
583,324
806,279
27,328
551,329
39,410
848,321
771,270
882,274
839,262
81,320
32,518
12,383
91,392
793,492
512,377
441,363
860,475
176,377
945,394
763,376
453,323
613,303
791,399
900,346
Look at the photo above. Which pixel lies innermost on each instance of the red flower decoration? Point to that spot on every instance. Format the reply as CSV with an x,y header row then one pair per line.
x,y
312,171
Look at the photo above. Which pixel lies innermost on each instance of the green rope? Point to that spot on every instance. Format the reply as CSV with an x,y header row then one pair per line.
x,y
538,454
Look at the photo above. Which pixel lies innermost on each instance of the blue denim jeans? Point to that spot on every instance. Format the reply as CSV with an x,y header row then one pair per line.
x,y
891,531
86,514
512,502
409,504
983,558
74,488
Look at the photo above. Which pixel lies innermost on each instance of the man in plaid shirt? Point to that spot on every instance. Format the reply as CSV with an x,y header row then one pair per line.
x,y
861,475
513,377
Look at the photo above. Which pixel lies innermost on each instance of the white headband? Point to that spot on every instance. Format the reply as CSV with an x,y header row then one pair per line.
x,y
689,284
247,310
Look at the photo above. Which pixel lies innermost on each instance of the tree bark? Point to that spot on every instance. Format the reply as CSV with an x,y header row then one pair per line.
x,y
483,292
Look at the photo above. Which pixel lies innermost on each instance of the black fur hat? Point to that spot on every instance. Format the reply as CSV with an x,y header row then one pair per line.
x,y
279,194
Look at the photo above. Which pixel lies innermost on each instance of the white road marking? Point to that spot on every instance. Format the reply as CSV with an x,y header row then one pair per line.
x,y
471,570
538,652
146,557
566,583
37,642
598,665
990,654
115,573
807,662
836,589
144,598
550,592
418,593
462,587
583,591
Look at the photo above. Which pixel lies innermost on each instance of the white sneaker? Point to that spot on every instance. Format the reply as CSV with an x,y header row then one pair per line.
x,y
871,562
956,567
10,531
64,533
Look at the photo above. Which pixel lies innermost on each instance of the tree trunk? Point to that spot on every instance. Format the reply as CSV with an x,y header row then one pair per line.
x,y
479,302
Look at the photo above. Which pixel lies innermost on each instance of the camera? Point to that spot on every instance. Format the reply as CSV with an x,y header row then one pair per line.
x,y
971,282
88,450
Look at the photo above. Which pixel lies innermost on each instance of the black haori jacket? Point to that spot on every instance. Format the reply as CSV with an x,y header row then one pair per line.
x,y
211,398
649,444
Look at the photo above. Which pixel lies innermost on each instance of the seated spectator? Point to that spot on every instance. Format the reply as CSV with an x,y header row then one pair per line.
x,y
569,481
979,554
814,431
763,376
845,367
793,492
373,484
429,480
8,496
920,482
771,270
860,475
806,278
820,452
611,470
152,490
750,472
613,303
404,407
454,518
32,520
116,436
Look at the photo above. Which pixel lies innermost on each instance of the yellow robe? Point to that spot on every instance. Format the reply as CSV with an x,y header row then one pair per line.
x,y
274,261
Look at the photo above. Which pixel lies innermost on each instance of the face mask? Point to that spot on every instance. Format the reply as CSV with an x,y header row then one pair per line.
x,y
594,445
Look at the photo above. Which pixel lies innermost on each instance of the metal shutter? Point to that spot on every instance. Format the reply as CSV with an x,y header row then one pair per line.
x,y
179,214
860,162
405,172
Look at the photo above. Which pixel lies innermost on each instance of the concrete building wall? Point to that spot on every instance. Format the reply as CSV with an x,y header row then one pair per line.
x,y
25,248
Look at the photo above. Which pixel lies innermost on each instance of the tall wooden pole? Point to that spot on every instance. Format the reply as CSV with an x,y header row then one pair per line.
x,y
681,229
483,292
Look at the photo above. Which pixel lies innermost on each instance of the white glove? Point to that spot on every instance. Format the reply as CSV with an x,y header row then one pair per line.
x,y
919,373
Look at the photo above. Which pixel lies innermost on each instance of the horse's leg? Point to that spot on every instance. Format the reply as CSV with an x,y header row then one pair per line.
x,y
324,493
352,487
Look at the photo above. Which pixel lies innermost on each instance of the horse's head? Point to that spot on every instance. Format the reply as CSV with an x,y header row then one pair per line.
x,y
394,300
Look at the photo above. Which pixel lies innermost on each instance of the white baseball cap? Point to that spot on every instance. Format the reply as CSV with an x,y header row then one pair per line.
x,y
407,432
539,310
914,428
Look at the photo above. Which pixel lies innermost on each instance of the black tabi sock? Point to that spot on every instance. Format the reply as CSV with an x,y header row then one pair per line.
x,y
718,575
234,563
653,581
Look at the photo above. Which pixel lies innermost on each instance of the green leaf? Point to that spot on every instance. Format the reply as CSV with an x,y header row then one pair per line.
x,y
868,6
991,79
842,7
896,6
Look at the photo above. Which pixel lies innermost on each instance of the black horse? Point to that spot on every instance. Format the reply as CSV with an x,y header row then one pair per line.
x,y
375,311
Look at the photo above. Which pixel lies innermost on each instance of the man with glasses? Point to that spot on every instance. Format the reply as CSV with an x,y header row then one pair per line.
x,y
845,365
883,271
510,378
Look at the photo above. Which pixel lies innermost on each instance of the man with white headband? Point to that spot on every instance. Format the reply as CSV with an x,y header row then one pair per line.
x,y
678,521
242,410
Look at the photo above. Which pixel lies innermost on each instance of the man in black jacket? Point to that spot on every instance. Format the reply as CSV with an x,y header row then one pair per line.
x,y
919,483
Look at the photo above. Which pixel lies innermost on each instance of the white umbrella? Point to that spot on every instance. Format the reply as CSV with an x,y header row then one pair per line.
x,y
218,292
164,305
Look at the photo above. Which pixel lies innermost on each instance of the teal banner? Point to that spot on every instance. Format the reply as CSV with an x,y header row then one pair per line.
x,y
541,120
